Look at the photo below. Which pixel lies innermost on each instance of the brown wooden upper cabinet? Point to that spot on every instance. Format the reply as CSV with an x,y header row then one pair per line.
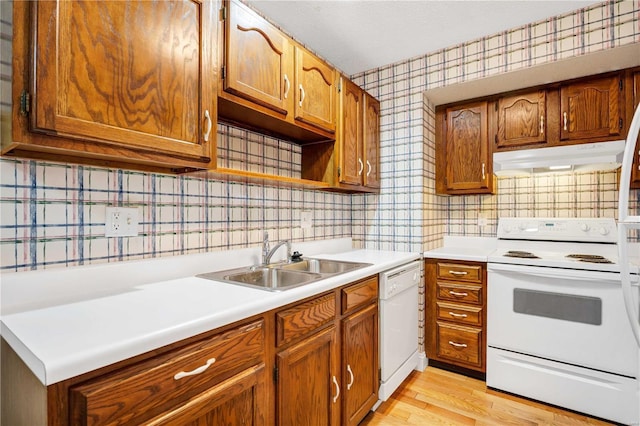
x,y
592,109
126,82
463,160
359,137
270,82
522,119
635,171
258,59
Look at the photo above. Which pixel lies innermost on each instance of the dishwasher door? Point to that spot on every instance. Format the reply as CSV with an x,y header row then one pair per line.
x,y
398,326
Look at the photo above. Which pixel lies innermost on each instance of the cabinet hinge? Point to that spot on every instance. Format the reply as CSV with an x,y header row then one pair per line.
x,y
223,14
339,171
25,101
340,86
620,85
223,71
275,374
495,105
496,139
620,123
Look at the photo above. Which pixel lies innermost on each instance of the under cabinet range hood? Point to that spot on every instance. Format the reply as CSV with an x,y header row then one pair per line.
x,y
581,157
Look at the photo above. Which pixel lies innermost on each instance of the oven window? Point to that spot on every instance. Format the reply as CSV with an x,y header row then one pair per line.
x,y
569,307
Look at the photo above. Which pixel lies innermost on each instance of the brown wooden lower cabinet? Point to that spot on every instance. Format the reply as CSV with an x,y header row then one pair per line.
x,y
312,362
456,314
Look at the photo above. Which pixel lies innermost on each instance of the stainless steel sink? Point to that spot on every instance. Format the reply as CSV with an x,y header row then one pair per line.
x,y
284,276
322,266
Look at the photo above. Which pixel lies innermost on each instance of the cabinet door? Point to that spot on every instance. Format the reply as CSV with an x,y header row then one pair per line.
x,y
139,74
308,382
467,151
315,91
350,136
257,59
635,171
522,119
371,140
592,109
241,400
360,364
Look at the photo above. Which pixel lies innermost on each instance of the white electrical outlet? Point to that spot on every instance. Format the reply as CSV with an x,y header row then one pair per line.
x,y
121,222
482,221
306,219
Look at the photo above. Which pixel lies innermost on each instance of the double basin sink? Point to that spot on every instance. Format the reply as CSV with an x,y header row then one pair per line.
x,y
285,275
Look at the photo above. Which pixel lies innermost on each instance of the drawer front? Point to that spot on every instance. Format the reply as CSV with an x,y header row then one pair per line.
x,y
304,318
454,271
360,294
142,390
466,293
460,344
461,314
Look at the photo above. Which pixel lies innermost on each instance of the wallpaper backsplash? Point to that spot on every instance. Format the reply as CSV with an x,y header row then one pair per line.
x,y
53,214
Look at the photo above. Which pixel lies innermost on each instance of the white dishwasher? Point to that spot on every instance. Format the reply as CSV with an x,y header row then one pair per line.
x,y
398,326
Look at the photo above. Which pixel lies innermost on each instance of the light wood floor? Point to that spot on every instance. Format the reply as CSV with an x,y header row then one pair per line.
x,y
439,397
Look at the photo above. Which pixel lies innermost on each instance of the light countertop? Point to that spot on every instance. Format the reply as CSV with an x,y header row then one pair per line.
x,y
71,334
474,249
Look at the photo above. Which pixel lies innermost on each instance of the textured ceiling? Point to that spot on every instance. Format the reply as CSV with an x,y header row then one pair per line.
x,y
360,35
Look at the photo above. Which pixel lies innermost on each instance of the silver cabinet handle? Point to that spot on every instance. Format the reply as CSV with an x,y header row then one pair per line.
x,y
453,314
197,371
301,95
483,175
542,124
335,382
564,115
369,168
361,167
207,118
455,293
458,272
287,86
458,345
350,374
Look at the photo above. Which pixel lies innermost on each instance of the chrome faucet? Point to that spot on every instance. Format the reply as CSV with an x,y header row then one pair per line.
x,y
267,252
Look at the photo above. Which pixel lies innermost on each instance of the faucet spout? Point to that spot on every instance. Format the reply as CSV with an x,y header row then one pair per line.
x,y
268,254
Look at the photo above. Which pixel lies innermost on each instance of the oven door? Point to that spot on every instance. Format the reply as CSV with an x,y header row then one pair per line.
x,y
567,315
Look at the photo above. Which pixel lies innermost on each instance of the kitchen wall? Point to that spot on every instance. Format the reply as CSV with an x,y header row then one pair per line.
x,y
408,140
53,214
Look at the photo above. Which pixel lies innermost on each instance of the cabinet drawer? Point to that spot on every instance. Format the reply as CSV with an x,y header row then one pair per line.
x,y
460,344
136,393
302,319
454,271
467,293
360,294
462,314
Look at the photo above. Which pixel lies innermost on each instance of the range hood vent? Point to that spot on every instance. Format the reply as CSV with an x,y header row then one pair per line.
x,y
582,157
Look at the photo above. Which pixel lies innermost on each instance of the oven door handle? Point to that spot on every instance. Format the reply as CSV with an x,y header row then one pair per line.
x,y
565,274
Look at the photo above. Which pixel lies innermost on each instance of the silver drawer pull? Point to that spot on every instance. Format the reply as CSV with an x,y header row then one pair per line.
x,y
458,345
453,314
198,370
455,293
458,272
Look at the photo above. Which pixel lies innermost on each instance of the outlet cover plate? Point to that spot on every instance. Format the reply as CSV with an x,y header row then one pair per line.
x,y
121,222
306,219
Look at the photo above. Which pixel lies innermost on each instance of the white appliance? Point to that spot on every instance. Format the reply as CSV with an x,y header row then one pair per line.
x,y
629,223
399,306
579,157
556,324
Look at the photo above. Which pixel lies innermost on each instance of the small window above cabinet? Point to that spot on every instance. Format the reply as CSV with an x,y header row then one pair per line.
x,y
522,120
463,152
592,110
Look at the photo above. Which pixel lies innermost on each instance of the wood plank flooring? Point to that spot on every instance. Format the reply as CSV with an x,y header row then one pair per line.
x,y
439,397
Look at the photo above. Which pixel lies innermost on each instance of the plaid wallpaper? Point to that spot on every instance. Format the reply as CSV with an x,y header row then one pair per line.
x,y
422,218
53,214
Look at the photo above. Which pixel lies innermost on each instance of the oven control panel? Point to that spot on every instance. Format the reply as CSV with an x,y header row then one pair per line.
x,y
598,230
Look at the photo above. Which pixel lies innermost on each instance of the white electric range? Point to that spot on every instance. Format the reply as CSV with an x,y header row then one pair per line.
x,y
556,324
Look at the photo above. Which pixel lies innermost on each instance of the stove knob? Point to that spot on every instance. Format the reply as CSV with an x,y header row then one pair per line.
x,y
584,227
604,231
506,229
